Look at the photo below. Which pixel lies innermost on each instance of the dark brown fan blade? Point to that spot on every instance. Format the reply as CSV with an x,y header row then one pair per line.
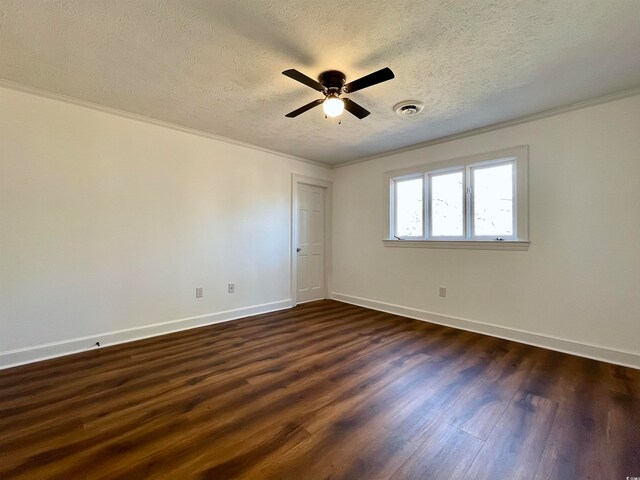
x,y
308,106
355,109
369,80
302,78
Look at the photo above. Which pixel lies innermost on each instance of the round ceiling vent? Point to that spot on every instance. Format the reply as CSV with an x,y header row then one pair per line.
x,y
408,108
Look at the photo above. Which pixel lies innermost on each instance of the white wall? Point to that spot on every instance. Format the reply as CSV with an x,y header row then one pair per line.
x,y
580,280
109,224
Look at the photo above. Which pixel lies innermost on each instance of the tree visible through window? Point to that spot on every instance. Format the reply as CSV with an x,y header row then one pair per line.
x,y
493,200
478,198
447,204
409,207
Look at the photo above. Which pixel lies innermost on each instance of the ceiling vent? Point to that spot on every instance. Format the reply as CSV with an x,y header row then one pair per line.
x,y
408,108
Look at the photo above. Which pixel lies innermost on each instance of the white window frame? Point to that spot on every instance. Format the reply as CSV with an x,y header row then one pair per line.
x,y
470,198
427,200
518,241
404,179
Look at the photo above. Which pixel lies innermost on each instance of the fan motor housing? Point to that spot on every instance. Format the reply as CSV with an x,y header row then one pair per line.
x,y
332,79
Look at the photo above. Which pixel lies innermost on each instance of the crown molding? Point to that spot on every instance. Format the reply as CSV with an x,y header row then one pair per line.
x,y
496,126
447,138
142,118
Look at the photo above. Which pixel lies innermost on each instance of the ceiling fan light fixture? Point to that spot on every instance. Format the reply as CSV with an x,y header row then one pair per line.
x,y
333,106
332,84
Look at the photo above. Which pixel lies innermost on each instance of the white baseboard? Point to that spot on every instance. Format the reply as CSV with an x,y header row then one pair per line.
x,y
13,358
605,354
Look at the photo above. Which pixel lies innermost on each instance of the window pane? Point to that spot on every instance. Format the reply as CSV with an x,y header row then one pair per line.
x,y
447,213
409,208
493,200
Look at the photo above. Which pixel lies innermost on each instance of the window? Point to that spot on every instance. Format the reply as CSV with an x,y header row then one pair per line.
x,y
409,211
474,202
446,199
492,201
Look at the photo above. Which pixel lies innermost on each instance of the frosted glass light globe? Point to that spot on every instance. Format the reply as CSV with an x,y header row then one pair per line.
x,y
333,107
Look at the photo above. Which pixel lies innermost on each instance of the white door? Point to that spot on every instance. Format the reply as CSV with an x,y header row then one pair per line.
x,y
310,248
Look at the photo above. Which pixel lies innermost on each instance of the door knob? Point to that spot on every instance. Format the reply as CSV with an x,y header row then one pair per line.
x,y
298,249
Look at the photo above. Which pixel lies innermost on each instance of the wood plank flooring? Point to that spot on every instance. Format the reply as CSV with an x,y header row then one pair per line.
x,y
325,390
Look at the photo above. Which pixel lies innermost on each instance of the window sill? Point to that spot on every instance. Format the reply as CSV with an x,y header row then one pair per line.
x,y
522,245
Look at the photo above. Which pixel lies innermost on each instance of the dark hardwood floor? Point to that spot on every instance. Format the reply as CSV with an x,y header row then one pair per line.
x,y
325,390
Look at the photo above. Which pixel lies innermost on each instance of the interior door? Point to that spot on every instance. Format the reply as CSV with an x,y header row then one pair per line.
x,y
310,244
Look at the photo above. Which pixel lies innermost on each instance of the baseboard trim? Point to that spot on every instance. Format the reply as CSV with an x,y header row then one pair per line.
x,y
14,358
595,352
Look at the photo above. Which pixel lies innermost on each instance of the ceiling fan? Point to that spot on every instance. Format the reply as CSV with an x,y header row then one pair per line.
x,y
331,85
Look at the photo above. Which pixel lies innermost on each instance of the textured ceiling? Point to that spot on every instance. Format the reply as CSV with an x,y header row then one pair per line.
x,y
215,65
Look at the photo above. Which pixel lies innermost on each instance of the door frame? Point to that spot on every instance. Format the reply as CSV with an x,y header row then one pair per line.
x,y
328,191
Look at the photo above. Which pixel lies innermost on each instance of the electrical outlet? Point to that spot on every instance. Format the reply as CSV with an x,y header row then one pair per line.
x,y
232,288
442,291
199,292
